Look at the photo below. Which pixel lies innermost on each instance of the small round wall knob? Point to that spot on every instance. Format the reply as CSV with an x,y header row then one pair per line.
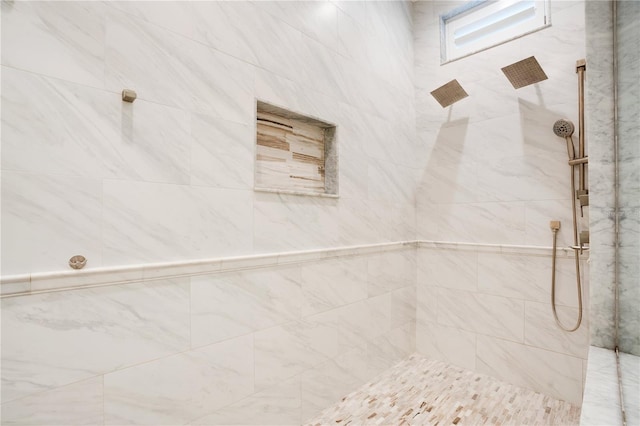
x,y
77,262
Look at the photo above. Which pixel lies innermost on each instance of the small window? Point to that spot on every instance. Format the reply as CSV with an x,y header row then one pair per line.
x,y
479,25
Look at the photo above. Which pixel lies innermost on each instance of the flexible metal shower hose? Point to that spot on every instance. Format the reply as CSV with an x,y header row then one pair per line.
x,y
577,257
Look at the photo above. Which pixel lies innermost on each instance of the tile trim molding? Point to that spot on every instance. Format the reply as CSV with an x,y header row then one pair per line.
x,y
44,282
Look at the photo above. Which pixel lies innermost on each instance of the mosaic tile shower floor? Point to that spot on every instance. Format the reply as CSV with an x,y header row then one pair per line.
x,y
420,391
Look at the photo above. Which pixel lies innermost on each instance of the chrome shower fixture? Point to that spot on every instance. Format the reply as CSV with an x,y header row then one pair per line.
x,y
525,72
449,93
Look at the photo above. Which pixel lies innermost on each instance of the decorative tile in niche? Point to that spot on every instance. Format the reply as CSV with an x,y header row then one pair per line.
x,y
294,153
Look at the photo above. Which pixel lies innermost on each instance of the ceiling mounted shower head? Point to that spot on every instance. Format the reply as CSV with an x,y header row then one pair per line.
x,y
563,128
525,72
449,93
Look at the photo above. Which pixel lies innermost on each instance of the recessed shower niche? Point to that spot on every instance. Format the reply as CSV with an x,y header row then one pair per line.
x,y
295,153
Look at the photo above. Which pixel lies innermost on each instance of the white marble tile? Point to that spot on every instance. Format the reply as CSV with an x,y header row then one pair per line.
x,y
600,127
392,221
539,213
427,221
426,304
54,339
391,182
280,91
218,24
52,126
493,223
629,178
447,344
82,131
403,306
180,388
519,156
358,222
389,348
146,222
447,181
292,222
185,74
60,40
218,84
220,225
279,405
630,371
153,144
566,32
234,304
325,384
548,372
351,35
79,403
47,219
390,141
173,16
355,325
221,153
141,56
321,71
492,315
522,178
449,268
355,9
379,315
283,351
629,296
318,20
277,47
390,271
529,278
601,401
541,330
246,32
333,283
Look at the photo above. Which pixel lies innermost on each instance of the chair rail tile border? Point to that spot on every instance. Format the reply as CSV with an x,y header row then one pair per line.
x,y
42,282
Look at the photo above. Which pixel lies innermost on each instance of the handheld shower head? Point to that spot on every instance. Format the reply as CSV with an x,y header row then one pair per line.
x,y
563,128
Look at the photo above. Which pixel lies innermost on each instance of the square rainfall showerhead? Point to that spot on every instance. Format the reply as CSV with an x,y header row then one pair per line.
x,y
449,94
525,72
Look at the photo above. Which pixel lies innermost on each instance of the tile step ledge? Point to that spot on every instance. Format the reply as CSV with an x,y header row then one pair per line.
x,y
600,401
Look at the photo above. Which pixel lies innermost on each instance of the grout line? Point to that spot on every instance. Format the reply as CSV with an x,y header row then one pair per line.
x,y
104,415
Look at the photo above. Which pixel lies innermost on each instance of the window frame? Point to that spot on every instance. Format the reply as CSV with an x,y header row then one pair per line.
x,y
488,7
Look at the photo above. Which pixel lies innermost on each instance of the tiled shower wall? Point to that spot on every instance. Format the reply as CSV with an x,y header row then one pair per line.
x,y
487,309
271,345
600,110
493,172
629,157
170,177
